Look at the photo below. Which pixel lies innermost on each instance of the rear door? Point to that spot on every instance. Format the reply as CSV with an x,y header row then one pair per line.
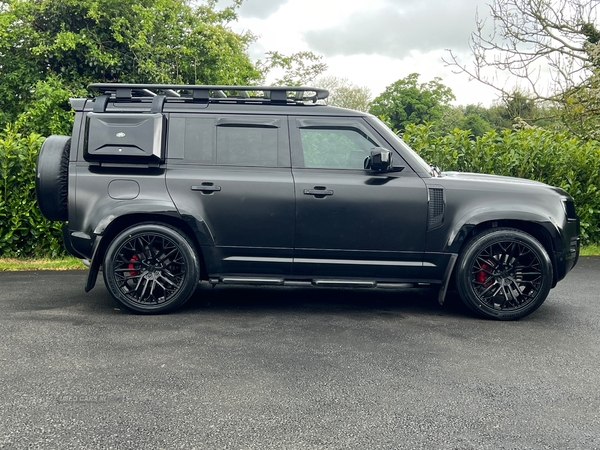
x,y
352,222
232,174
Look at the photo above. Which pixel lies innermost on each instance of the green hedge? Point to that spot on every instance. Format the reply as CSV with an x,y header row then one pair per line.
x,y
551,157
24,232
554,158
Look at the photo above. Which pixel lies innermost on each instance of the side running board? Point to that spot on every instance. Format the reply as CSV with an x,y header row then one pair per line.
x,y
267,281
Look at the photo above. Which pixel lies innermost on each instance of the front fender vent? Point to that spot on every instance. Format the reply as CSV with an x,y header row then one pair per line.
x,y
436,208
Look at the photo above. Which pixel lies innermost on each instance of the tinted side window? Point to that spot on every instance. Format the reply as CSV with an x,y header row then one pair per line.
x,y
192,139
335,148
199,143
247,145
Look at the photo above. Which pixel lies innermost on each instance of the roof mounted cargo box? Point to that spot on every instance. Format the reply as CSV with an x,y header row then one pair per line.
x,y
124,138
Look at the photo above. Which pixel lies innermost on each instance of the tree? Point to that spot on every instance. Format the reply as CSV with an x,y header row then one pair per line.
x,y
66,44
406,101
493,115
297,69
476,125
519,105
581,108
528,38
345,94
471,118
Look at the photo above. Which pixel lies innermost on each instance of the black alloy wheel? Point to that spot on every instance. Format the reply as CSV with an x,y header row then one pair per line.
x,y
504,274
151,268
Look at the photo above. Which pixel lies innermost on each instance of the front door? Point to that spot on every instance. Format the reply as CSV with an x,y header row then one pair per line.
x,y
352,222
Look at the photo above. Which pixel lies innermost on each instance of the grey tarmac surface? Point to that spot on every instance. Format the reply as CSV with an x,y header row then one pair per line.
x,y
256,368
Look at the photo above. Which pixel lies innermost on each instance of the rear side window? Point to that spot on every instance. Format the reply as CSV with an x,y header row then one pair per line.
x,y
247,146
199,140
228,140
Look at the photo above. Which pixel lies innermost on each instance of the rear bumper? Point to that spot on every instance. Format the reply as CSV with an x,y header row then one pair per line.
x,y
77,243
69,243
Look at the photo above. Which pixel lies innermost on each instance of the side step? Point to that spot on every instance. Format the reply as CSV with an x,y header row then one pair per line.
x,y
248,280
267,281
345,283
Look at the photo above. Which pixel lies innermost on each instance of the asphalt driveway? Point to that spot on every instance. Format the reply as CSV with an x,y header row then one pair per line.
x,y
285,368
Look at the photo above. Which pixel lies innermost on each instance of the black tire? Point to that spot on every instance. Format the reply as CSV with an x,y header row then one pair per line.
x,y
504,274
52,178
151,268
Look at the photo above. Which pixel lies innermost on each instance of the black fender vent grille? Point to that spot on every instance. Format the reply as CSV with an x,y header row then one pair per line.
x,y
436,207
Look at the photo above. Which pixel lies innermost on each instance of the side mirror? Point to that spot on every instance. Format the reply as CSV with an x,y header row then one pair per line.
x,y
380,160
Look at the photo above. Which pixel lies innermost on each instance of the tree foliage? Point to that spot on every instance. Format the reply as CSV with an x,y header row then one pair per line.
x,y
476,119
476,124
408,102
581,108
47,45
345,94
24,232
297,69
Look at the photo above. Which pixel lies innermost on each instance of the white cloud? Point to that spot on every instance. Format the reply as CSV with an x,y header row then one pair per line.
x,y
397,28
371,43
262,9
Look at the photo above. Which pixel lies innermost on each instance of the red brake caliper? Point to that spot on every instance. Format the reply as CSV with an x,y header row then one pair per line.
x,y
131,266
481,275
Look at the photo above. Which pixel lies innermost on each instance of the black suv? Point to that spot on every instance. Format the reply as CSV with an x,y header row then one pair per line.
x,y
166,185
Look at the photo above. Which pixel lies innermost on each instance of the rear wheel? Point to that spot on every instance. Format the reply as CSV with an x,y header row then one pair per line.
x,y
504,274
151,268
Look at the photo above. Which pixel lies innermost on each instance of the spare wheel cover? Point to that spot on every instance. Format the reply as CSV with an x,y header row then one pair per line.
x,y
52,179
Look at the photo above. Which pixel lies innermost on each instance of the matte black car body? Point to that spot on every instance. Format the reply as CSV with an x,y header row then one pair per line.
x,y
279,220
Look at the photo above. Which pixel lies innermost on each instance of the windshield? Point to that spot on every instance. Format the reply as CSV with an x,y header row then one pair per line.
x,y
390,135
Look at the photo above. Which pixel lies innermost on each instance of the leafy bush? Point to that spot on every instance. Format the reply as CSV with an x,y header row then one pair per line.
x,y
49,111
551,157
24,232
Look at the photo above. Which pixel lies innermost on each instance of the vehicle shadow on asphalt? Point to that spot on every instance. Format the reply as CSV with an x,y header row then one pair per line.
x,y
422,300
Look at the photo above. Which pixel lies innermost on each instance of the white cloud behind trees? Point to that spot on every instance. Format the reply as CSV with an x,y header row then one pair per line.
x,y
372,43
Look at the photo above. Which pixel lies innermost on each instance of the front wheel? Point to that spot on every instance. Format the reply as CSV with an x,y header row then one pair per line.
x,y
151,268
504,274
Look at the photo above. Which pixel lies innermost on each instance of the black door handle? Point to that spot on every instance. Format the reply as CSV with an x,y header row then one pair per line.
x,y
318,192
206,187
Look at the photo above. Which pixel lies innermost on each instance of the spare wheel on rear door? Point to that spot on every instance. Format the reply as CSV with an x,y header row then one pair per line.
x,y
51,183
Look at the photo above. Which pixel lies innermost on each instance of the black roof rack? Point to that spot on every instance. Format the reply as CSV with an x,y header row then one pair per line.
x,y
210,93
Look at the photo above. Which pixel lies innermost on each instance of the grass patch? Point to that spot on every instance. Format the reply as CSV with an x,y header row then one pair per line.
x,y
72,263
15,264
590,250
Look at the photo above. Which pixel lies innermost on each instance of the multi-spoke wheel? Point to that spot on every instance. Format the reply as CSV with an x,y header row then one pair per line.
x,y
504,274
151,268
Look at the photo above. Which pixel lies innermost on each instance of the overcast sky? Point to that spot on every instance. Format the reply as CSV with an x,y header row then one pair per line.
x,y
371,42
